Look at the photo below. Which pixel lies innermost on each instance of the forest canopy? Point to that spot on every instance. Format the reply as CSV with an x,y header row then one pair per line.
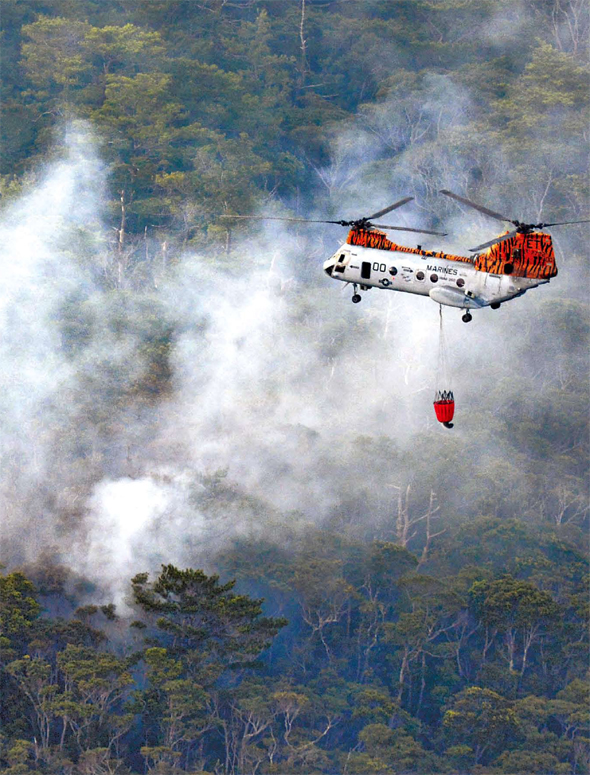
x,y
231,542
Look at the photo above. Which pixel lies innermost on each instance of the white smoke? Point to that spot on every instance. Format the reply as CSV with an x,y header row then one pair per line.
x,y
288,402
131,524
38,272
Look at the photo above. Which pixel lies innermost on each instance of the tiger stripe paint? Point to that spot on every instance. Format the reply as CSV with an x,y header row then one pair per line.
x,y
524,255
378,240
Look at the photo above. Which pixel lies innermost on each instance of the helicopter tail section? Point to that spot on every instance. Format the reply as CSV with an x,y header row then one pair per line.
x,y
523,255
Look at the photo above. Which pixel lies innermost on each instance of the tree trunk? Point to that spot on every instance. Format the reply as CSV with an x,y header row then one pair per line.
x,y
121,241
303,43
402,675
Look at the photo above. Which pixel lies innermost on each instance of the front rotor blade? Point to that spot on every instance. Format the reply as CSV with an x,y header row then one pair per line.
x,y
560,223
275,218
390,208
407,228
481,208
489,244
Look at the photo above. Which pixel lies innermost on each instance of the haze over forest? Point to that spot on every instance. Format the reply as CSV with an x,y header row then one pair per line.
x,y
235,539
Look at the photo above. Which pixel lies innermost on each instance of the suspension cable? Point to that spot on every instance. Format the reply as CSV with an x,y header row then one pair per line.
x,y
442,369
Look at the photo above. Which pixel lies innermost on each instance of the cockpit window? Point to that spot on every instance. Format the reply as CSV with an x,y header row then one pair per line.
x,y
342,257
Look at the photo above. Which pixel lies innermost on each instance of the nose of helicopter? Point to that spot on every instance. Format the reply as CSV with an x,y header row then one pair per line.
x,y
329,266
331,262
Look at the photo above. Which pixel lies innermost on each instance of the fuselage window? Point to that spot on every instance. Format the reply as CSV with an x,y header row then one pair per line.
x,y
392,271
419,275
433,278
460,282
342,257
365,270
379,267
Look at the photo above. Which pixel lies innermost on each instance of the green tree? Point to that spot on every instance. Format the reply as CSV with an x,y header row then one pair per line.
x,y
178,706
323,596
518,610
92,704
436,612
125,49
54,58
18,612
387,750
203,621
384,566
481,719
19,757
38,682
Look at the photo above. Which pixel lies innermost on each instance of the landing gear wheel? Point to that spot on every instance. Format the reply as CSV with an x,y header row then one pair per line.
x,y
356,298
467,317
495,305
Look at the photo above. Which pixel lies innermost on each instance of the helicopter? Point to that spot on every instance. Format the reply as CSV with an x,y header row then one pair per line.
x,y
510,265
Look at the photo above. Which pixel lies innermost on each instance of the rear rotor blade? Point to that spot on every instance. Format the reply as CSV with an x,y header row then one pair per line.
x,y
481,209
407,228
390,208
503,238
560,223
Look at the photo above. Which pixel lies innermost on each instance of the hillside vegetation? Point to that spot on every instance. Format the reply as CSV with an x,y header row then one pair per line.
x,y
231,542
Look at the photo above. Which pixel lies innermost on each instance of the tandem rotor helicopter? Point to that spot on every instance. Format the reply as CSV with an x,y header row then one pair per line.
x,y
509,265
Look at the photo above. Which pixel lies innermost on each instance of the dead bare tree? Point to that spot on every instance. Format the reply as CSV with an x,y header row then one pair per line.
x,y
303,42
406,523
430,536
570,20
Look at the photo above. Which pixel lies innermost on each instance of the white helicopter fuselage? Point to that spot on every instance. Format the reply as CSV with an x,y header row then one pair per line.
x,y
448,282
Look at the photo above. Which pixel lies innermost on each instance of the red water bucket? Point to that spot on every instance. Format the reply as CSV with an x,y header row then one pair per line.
x,y
445,409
